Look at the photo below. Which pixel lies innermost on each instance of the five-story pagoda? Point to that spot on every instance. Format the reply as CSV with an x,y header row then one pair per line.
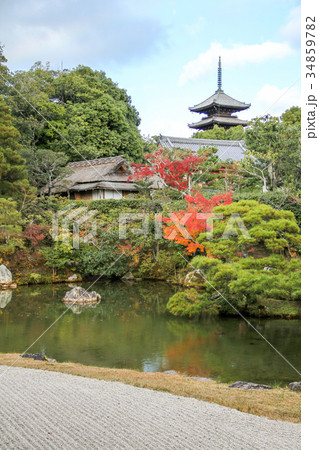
x,y
219,109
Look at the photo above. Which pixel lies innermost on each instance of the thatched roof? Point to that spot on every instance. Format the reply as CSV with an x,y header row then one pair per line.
x,y
103,173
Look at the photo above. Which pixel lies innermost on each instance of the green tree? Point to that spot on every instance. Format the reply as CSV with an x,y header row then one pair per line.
x,y
34,114
267,231
292,115
59,257
100,118
45,166
10,230
220,133
273,154
4,72
12,165
81,113
100,128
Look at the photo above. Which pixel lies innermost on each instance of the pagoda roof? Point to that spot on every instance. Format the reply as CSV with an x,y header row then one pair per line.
x,y
218,120
219,98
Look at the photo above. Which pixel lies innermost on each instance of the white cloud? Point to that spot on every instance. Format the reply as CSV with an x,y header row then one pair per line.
x,y
272,100
205,63
95,32
291,31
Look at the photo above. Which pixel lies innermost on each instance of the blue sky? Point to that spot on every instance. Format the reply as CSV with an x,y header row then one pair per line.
x,y
165,52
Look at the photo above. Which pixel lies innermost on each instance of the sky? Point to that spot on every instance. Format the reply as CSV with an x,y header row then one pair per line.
x,y
165,52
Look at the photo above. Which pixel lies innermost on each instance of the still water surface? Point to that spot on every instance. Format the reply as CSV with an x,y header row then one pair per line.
x,y
130,329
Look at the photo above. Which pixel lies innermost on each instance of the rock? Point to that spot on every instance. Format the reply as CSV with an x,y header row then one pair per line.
x,y
194,278
295,386
5,298
170,372
13,286
200,378
128,277
246,385
51,359
35,356
80,295
5,275
74,277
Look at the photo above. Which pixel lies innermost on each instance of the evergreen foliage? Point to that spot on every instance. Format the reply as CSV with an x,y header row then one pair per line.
x,y
273,154
220,133
80,113
12,165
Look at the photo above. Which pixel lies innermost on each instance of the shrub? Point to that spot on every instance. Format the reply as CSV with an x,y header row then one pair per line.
x,y
34,278
276,199
190,304
245,282
269,231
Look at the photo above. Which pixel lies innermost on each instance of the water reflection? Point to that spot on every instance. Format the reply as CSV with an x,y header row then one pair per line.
x,y
5,298
130,329
78,308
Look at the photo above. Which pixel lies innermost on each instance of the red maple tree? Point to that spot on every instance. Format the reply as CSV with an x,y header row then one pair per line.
x,y
34,234
183,227
174,173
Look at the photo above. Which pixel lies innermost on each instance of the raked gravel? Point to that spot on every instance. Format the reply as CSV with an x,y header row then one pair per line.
x,y
50,410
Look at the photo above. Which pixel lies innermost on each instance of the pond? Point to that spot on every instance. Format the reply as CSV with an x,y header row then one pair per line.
x,y
131,329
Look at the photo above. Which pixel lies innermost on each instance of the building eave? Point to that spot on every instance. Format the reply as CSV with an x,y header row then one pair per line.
x,y
218,120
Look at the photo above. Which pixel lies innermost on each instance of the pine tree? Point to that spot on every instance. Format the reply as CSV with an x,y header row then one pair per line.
x,y
12,165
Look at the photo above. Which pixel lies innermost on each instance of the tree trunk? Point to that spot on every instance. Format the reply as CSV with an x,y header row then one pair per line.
x,y
50,186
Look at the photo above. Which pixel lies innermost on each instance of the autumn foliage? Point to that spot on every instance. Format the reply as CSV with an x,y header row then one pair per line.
x,y
174,173
183,227
34,234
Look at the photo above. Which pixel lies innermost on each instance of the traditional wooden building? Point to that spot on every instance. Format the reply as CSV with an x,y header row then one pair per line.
x,y
229,153
98,179
219,109
226,150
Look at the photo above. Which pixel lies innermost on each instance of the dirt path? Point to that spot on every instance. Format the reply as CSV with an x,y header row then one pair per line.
x,y
50,410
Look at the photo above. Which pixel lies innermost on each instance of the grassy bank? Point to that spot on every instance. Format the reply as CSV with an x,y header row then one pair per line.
x,y
278,403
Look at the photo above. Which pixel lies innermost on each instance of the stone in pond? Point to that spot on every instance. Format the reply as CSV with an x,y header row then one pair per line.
x,y
74,277
5,275
128,277
246,385
295,386
80,295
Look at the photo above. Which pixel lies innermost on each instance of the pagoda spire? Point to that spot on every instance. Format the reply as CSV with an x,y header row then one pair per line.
x,y
219,76
219,108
